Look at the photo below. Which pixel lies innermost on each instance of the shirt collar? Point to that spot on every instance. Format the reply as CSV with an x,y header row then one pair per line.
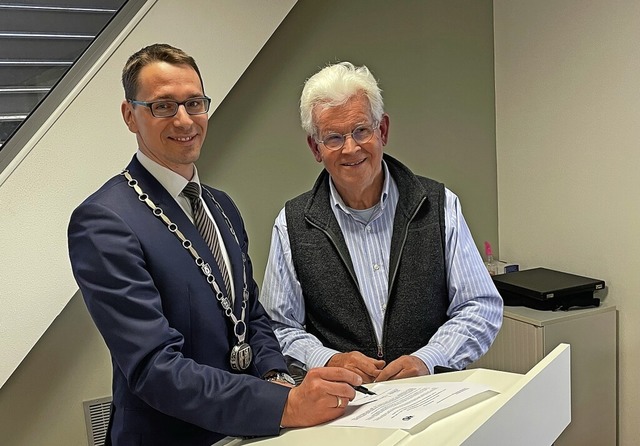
x,y
336,199
171,181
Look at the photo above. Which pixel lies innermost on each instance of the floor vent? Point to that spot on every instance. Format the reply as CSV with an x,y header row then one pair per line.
x,y
96,415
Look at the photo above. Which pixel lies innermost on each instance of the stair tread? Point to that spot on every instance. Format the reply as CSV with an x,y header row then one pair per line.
x,y
72,9
18,62
24,89
51,35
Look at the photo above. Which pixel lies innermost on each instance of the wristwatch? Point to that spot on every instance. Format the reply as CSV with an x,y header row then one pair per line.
x,y
279,376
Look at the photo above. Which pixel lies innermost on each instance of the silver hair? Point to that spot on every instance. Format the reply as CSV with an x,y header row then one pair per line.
x,y
334,85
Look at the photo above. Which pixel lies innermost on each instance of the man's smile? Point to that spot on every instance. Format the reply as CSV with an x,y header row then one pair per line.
x,y
354,163
183,138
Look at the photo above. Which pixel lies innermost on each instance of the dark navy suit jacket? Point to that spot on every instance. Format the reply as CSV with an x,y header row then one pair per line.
x,y
168,336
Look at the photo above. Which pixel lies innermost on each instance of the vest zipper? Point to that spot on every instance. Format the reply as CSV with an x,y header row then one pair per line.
x,y
380,352
404,241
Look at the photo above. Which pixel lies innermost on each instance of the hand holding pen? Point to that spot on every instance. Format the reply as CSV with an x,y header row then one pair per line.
x,y
298,371
323,395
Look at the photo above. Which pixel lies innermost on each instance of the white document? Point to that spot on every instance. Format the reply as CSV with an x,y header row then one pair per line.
x,y
405,406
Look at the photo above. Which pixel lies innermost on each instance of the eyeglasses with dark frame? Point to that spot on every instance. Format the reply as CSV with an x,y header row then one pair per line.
x,y
362,134
168,109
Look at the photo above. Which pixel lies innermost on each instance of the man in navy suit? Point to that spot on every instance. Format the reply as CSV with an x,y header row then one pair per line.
x,y
192,361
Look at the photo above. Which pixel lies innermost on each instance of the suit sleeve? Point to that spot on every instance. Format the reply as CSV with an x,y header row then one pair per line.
x,y
111,270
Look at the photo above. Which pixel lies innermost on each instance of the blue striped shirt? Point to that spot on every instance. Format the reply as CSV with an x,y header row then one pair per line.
x,y
475,309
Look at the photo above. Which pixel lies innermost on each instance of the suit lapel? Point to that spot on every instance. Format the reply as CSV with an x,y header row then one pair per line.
x,y
162,199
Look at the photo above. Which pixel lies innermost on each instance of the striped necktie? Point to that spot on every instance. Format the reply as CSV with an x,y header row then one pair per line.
x,y
207,229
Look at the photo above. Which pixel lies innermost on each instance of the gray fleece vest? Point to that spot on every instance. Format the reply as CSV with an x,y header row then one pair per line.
x,y
418,296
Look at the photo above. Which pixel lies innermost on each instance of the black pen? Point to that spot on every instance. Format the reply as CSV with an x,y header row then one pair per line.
x,y
363,389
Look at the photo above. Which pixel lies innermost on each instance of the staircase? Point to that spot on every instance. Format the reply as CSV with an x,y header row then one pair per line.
x,y
39,41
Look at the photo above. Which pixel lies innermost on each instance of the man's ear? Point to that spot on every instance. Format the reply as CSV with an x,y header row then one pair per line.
x,y
313,145
384,129
127,114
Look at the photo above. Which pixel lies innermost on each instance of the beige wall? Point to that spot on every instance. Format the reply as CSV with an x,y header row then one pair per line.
x,y
435,63
434,60
568,132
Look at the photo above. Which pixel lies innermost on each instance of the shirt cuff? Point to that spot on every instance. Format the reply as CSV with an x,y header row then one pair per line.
x,y
319,357
431,357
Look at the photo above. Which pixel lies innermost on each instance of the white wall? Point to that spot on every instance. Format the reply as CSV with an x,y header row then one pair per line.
x,y
567,136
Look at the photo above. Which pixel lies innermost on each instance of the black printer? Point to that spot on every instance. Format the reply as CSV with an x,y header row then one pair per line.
x,y
547,289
